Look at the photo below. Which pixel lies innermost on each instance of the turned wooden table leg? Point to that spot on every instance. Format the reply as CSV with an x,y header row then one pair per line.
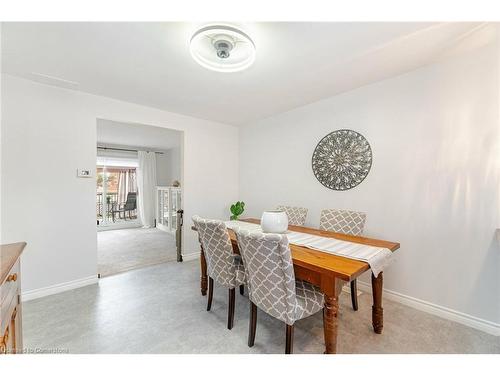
x,y
330,314
203,279
377,310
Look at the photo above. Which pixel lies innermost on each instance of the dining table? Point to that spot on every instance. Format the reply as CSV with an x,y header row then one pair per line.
x,y
327,271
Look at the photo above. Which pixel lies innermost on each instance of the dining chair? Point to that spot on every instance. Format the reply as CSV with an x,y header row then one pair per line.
x,y
223,266
129,206
296,215
345,222
271,283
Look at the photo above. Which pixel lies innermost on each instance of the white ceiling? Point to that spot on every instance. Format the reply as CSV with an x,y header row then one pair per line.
x,y
112,133
150,64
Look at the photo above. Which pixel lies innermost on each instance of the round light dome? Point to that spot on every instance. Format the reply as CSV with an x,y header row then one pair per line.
x,y
222,48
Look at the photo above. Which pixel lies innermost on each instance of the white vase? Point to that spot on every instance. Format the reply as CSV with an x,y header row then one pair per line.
x,y
274,222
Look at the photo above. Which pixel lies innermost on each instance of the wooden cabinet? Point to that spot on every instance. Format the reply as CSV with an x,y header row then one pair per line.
x,y
10,298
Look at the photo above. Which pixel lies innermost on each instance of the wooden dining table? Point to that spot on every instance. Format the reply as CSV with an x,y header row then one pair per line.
x,y
328,272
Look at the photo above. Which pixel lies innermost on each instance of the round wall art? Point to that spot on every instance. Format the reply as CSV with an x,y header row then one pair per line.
x,y
342,159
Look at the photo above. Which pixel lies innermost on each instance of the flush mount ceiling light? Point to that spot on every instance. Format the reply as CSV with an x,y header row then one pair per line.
x,y
222,48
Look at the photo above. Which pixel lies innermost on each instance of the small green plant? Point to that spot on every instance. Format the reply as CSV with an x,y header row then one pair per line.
x,y
237,209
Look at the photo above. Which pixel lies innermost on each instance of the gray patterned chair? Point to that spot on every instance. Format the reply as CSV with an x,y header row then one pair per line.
x,y
271,283
345,222
223,266
296,215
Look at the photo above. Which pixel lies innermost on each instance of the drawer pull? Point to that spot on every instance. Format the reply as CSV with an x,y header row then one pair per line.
x,y
12,277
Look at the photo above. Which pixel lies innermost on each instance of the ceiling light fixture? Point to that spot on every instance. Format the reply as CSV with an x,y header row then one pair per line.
x,y
222,48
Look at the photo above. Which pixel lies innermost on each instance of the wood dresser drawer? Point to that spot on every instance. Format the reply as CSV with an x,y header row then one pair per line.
x,y
11,283
10,305
8,308
9,296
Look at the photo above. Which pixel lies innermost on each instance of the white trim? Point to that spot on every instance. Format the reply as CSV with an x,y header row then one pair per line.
x,y
121,225
443,312
347,289
58,288
190,256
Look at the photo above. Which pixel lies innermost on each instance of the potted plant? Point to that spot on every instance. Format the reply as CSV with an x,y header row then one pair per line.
x,y
236,210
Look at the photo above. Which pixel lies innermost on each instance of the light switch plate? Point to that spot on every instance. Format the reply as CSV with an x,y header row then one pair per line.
x,y
84,173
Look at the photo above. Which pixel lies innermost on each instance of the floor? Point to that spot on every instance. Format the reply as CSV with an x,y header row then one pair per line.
x,y
126,249
159,309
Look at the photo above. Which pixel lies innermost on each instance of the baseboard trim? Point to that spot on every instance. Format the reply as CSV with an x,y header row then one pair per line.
x,y
131,225
63,287
58,288
441,311
191,256
347,289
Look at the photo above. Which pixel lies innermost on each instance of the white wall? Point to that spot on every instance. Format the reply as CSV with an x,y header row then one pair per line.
x,y
175,158
163,169
47,133
433,185
1,197
168,166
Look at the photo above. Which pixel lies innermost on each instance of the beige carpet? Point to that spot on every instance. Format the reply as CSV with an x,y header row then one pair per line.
x,y
126,249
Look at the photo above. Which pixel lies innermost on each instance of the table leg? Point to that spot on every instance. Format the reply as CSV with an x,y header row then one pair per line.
x,y
204,279
377,310
330,314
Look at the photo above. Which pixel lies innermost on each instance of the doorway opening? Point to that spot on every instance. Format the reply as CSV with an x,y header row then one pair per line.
x,y
138,195
116,191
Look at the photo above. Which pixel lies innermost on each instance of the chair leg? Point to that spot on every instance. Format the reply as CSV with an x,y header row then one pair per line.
x,y
289,339
230,310
210,293
252,324
242,289
354,294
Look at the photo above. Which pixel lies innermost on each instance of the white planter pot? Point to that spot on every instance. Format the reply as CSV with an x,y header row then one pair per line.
x,y
274,222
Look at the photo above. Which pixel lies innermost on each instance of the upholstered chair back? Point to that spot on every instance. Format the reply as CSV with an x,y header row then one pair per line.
x,y
343,221
217,249
269,272
296,215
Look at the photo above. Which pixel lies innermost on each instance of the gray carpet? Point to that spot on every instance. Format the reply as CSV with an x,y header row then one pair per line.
x,y
126,249
159,309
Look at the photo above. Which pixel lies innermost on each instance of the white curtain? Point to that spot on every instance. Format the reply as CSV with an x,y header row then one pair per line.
x,y
146,188
127,183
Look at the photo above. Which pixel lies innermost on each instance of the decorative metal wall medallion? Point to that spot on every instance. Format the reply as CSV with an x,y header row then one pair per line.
x,y
342,159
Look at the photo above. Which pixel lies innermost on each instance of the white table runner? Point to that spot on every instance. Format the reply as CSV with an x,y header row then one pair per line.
x,y
377,257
